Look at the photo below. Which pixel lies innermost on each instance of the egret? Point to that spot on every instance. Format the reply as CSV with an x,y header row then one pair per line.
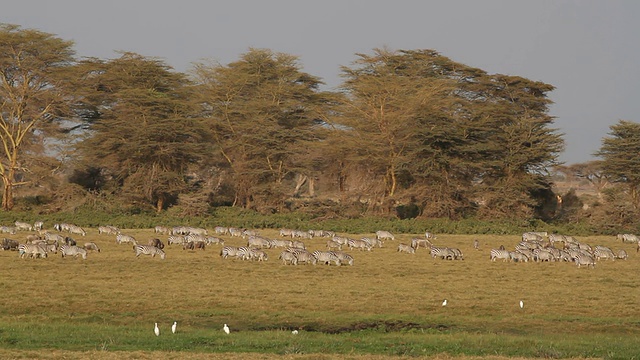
x,y
521,304
444,303
174,326
226,329
156,330
295,332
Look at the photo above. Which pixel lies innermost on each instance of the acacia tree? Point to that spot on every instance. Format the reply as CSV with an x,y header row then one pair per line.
x,y
620,153
263,112
32,99
144,131
386,92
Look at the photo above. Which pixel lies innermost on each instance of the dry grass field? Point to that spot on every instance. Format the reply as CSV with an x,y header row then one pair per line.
x,y
386,304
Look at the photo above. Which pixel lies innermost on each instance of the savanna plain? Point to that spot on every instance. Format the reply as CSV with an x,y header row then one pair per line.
x,y
387,305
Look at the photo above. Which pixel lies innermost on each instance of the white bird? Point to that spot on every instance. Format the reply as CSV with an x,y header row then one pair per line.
x,y
226,329
174,326
521,304
295,332
444,303
156,330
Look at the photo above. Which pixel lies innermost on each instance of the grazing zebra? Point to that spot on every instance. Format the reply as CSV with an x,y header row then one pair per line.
x,y
406,248
157,243
176,239
601,252
419,242
628,238
443,253
161,230
325,257
210,240
586,260
303,256
221,230
373,242
286,232
228,251
122,238
276,243
8,230
23,226
499,254
258,242
55,238
517,256
384,235
258,255
359,244
73,229
457,254
108,229
344,257
148,250
235,232
31,250
38,225
73,250
333,245
288,258
91,246
622,255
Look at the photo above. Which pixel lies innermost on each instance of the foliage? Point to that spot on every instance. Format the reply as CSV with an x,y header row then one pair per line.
x,y
33,100
144,132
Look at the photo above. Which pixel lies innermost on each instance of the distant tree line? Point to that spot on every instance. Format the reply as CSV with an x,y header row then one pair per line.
x,y
409,133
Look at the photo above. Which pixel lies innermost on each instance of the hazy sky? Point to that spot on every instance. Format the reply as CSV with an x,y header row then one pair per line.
x,y
588,49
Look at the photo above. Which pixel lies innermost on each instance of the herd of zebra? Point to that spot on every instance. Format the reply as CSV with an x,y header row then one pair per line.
x,y
534,246
544,247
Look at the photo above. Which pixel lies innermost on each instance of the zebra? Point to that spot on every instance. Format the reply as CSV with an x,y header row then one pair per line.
x,y
258,254
23,226
276,243
406,248
622,255
430,236
31,250
176,239
221,230
586,260
259,242
499,254
302,256
518,256
601,252
333,245
419,242
159,229
209,240
359,244
73,229
8,230
55,238
628,238
325,257
108,229
373,241
457,254
228,251
286,233
476,244
122,238
148,250
384,235
344,257
38,225
244,253
235,232
443,253
72,250
288,258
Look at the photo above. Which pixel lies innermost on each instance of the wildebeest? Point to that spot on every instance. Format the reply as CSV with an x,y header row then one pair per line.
x,y
191,245
157,243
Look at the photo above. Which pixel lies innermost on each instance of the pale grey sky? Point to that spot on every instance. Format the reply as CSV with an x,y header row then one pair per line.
x,y
587,49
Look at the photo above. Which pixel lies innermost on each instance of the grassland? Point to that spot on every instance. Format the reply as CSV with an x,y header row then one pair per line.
x,y
387,305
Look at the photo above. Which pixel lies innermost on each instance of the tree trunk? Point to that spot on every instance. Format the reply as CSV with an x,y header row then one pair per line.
x,y
7,193
160,204
312,183
300,180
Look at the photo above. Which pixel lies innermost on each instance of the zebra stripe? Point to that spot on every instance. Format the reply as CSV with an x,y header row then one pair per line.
x,y
31,250
344,257
325,257
406,248
148,250
384,235
499,254
586,260
72,250
122,238
228,251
